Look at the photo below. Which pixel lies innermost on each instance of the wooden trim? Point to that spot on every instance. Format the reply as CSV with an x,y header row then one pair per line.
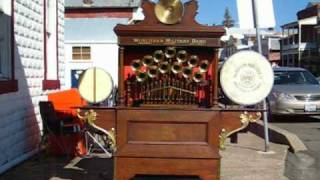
x,y
215,75
8,86
57,37
45,37
50,84
99,12
121,76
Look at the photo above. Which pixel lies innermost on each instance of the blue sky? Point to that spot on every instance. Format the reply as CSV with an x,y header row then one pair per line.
x,y
212,11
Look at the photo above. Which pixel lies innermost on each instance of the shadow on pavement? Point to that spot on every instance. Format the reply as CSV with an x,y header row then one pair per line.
x,y
294,119
45,168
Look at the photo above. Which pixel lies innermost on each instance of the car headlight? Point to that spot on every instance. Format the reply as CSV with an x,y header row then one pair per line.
x,y
286,96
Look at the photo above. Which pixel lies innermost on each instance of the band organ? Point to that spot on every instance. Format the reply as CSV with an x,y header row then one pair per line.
x,y
168,120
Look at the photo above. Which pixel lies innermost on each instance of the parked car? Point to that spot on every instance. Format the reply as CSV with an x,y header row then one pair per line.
x,y
296,92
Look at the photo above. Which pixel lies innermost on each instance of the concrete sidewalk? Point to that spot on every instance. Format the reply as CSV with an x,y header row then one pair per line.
x,y
246,161
240,161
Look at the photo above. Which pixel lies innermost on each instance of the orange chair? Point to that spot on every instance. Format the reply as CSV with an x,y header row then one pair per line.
x,y
64,103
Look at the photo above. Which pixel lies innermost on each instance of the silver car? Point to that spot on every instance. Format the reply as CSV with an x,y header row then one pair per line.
x,y
295,91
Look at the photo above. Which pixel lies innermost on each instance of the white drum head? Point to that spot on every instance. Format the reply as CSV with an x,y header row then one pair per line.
x,y
95,85
246,78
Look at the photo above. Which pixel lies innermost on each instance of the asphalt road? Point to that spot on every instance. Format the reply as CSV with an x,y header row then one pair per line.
x,y
303,165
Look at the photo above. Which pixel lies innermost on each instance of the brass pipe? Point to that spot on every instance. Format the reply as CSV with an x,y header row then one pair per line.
x,y
158,56
136,65
198,77
164,67
193,61
204,66
147,60
186,72
182,56
176,68
170,52
153,71
141,76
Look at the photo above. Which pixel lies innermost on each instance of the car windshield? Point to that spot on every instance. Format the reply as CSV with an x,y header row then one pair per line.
x,y
294,77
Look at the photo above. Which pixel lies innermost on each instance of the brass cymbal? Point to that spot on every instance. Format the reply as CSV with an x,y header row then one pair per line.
x,y
169,11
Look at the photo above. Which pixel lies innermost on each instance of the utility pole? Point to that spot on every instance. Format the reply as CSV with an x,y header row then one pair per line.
x,y
265,114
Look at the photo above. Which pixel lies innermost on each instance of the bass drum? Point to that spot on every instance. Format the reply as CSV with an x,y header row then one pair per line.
x,y
95,85
246,78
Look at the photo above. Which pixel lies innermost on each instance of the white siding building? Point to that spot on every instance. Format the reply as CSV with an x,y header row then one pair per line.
x,y
88,47
31,66
90,39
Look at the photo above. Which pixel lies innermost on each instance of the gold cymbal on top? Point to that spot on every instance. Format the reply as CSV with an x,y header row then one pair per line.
x,y
169,11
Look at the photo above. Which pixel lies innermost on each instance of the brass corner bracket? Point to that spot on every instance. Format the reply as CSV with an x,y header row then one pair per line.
x,y
90,117
245,119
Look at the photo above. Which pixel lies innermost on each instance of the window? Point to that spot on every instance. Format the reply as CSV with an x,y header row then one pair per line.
x,y
81,53
51,76
294,77
75,76
7,82
5,45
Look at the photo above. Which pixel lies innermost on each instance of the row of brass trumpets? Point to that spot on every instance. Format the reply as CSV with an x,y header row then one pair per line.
x,y
170,61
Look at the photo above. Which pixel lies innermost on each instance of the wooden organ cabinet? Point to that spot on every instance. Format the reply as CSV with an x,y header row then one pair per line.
x,y
167,120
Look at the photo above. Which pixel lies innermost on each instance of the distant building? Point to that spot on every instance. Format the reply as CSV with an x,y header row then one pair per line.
x,y
300,44
89,38
237,39
31,66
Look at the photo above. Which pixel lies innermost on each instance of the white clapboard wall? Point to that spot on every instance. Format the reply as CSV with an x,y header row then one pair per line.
x,y
20,121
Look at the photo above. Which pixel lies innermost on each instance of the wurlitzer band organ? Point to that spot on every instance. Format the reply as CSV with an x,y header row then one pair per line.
x,y
168,113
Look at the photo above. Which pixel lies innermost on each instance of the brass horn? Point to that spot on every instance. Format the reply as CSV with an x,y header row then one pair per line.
x,y
176,68
182,56
204,66
193,61
170,52
164,67
158,56
186,72
198,77
136,65
147,60
153,71
141,76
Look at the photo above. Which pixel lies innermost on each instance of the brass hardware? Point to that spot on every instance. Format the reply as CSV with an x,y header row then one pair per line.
x,y
169,11
164,67
153,71
170,52
176,68
141,76
193,61
245,119
198,77
182,56
147,60
90,117
204,66
186,72
136,65
158,56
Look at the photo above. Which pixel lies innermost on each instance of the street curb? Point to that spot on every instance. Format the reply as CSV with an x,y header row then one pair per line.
x,y
280,136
